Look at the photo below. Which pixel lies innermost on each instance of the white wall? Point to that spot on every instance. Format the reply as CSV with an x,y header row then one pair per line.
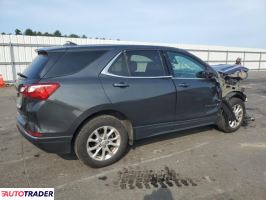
x,y
211,54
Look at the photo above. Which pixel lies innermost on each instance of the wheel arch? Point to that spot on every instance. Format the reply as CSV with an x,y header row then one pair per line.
x,y
236,94
125,120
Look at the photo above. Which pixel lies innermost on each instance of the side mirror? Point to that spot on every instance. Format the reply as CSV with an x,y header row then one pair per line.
x,y
205,74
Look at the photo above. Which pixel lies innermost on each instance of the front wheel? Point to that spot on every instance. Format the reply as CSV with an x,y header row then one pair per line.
x,y
101,141
238,107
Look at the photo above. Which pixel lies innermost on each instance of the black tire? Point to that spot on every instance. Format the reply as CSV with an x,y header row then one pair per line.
x,y
223,122
80,145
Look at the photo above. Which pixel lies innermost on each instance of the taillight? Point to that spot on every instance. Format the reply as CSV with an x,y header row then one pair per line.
x,y
40,91
35,134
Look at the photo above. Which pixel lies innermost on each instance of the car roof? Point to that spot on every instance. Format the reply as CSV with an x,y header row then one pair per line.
x,y
107,47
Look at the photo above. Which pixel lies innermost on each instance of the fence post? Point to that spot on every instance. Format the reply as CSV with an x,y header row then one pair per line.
x,y
12,58
260,61
226,57
208,56
244,58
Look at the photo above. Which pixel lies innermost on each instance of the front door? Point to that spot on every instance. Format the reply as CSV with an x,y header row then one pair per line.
x,y
196,97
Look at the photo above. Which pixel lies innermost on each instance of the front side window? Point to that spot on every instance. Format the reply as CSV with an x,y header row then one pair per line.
x,y
145,63
184,66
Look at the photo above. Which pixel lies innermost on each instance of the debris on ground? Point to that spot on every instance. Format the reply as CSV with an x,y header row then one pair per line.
x,y
129,178
247,120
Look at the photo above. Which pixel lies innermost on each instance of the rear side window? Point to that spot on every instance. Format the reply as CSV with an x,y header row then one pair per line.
x,y
34,70
72,62
119,67
145,63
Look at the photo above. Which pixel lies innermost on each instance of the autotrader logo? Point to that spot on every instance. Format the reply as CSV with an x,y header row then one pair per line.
x,y
27,193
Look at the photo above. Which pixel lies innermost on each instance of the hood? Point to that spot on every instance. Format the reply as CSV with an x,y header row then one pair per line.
x,y
229,69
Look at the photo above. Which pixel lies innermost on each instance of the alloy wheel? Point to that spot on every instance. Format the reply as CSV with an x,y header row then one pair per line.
x,y
239,113
103,143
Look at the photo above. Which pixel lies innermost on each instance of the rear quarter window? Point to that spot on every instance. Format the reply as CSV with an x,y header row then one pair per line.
x,y
72,62
34,70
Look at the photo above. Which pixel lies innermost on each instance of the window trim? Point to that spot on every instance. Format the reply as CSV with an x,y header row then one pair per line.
x,y
106,68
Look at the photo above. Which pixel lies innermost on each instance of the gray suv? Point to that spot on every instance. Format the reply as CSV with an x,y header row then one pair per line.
x,y
97,100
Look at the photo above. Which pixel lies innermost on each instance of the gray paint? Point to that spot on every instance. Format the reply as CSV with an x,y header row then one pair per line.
x,y
152,105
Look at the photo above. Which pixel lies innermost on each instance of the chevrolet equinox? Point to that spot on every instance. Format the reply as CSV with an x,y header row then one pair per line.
x,y
98,99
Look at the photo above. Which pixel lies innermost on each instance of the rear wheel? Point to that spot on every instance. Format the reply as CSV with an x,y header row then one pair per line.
x,y
239,110
102,141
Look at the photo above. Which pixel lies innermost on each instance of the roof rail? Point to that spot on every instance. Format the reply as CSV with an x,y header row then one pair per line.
x,y
69,43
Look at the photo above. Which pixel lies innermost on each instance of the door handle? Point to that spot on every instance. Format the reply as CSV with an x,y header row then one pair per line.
x,y
121,85
184,85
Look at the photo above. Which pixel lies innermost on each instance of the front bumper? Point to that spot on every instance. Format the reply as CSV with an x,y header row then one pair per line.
x,y
60,145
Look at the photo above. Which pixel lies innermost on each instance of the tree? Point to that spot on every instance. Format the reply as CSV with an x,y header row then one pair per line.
x,y
18,32
73,35
28,32
46,34
57,33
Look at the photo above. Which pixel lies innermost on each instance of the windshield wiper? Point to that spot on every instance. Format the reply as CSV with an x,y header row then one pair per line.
x,y
22,75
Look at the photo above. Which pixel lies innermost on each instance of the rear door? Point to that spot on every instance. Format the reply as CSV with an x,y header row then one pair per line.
x,y
196,97
138,85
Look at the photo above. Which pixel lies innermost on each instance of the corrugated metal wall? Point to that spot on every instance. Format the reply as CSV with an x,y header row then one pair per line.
x,y
17,51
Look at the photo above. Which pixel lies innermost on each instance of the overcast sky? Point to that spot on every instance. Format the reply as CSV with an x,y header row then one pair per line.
x,y
212,22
